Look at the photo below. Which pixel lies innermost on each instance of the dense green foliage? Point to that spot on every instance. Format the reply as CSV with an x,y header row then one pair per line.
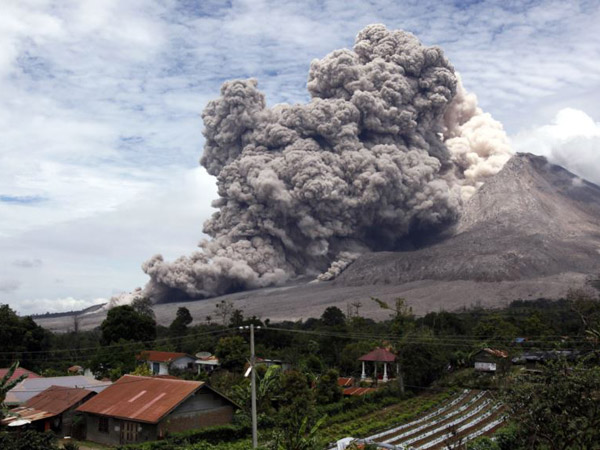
x,y
28,440
558,408
433,351
125,323
21,339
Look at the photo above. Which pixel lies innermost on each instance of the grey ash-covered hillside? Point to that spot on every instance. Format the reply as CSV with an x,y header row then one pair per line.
x,y
531,231
531,220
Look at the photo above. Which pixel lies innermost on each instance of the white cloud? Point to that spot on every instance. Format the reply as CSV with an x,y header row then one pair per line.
x,y
572,140
54,305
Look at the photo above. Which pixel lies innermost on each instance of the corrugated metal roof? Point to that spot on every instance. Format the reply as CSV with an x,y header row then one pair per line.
x,y
156,356
29,414
143,399
57,399
54,400
30,387
358,391
18,372
345,381
379,355
496,353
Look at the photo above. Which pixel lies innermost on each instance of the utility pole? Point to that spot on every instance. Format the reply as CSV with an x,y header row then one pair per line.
x,y
253,384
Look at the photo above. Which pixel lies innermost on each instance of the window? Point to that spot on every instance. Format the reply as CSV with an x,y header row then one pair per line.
x,y
103,424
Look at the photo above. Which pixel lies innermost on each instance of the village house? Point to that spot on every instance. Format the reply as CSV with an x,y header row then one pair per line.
x,y
52,409
29,387
161,363
490,360
19,371
206,362
138,409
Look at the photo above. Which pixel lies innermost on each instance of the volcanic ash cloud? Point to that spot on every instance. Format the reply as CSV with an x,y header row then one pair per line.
x,y
390,144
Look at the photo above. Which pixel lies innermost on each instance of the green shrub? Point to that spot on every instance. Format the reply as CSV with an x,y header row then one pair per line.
x,y
70,446
28,440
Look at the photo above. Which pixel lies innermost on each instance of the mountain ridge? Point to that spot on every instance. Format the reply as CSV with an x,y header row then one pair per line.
x,y
531,231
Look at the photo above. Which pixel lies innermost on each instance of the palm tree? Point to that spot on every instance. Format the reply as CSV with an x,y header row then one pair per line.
x,y
6,384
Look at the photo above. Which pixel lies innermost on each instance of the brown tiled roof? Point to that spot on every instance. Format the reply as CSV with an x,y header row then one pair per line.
x,y
156,356
18,372
54,400
379,355
143,399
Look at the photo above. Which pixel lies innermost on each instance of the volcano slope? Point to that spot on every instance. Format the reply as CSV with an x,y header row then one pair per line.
x,y
531,231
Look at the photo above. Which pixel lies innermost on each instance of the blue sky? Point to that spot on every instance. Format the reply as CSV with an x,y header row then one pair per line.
x,y
100,105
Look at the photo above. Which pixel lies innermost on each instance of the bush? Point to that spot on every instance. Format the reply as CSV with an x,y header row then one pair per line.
x,y
70,446
210,435
28,440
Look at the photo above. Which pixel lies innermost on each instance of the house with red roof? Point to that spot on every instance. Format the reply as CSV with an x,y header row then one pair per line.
x,y
52,409
138,409
160,363
18,372
490,360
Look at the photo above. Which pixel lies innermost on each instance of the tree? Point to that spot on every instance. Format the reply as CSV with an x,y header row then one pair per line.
x,y
223,310
143,306
6,384
328,390
558,410
296,427
179,327
401,314
237,318
124,322
232,352
19,336
333,317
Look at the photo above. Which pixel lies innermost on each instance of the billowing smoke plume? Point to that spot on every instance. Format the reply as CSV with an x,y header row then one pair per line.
x,y
389,145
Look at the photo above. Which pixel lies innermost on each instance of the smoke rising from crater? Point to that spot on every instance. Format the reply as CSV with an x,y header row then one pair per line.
x,y
389,144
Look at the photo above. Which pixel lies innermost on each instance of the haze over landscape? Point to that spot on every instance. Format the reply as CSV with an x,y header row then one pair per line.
x,y
98,169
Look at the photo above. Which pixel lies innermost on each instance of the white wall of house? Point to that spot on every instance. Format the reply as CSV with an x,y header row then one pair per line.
x,y
158,368
162,368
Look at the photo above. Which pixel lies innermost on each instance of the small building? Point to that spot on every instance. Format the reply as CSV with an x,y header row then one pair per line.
x,y
138,409
206,362
535,359
357,391
29,387
285,366
345,382
75,370
19,371
52,409
379,355
160,363
490,360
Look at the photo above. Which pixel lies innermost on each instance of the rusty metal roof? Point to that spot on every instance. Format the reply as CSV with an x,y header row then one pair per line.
x,y
18,372
156,356
345,381
30,387
379,355
143,399
496,353
358,391
49,403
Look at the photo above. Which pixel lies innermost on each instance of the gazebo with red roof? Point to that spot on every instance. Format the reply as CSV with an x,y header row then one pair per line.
x,y
378,355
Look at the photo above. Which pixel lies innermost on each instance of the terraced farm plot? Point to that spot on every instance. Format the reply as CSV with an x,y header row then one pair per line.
x,y
463,418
